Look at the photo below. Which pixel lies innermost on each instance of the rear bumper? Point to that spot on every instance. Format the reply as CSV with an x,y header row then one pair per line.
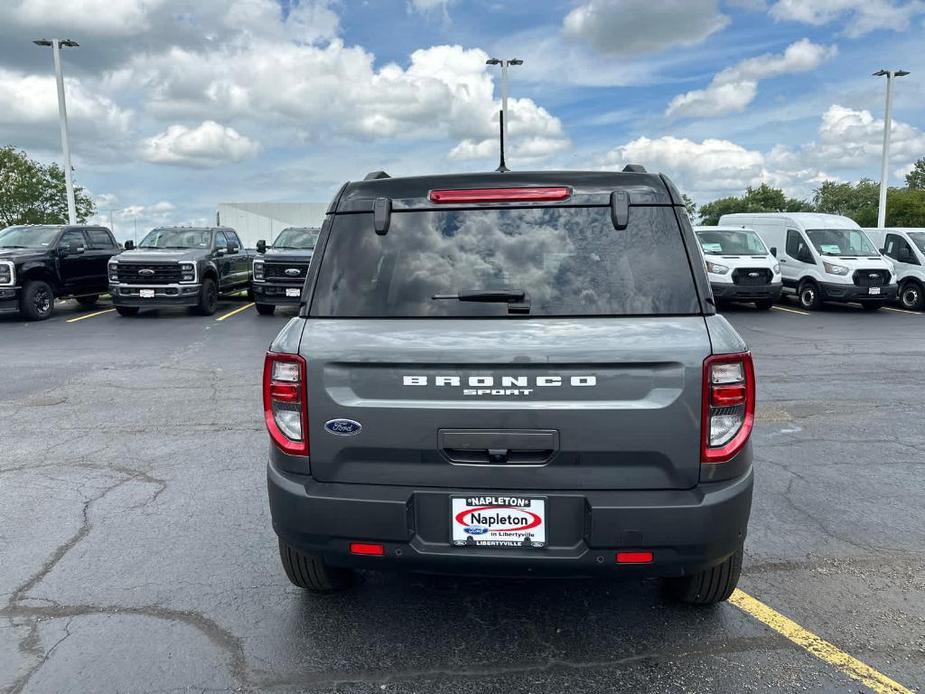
x,y
9,299
164,295
269,293
686,530
744,292
850,292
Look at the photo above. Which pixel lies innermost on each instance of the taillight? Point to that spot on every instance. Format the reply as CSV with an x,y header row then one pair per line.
x,y
521,194
728,405
284,406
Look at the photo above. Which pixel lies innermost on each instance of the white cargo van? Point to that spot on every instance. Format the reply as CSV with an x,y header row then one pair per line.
x,y
823,257
739,265
905,247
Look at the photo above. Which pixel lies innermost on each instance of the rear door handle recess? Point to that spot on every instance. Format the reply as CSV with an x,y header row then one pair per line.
x,y
498,446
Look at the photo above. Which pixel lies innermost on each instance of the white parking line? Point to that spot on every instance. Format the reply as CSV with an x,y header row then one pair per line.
x,y
790,310
902,310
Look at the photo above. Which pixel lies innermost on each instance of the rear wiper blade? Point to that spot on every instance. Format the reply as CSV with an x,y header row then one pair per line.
x,y
508,296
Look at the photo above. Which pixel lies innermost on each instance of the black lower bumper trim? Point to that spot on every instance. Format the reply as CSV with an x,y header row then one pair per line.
x,y
745,292
850,292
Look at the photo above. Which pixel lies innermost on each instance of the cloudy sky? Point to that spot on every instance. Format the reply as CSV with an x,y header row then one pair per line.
x,y
177,105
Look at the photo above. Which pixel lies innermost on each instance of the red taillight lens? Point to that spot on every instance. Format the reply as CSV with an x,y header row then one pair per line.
x,y
285,410
367,548
728,406
523,194
634,557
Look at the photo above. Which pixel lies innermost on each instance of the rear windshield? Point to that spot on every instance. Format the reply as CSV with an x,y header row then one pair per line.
x,y
565,261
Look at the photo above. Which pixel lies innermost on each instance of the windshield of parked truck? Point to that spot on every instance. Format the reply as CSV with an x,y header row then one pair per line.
x,y
918,238
28,236
557,261
297,238
843,242
177,238
732,242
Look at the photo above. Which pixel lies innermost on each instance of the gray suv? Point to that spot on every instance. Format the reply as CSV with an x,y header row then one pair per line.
x,y
517,373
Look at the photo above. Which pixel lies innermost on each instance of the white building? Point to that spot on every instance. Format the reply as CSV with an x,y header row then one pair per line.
x,y
264,220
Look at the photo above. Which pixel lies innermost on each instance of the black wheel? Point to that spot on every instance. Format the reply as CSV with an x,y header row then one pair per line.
x,y
37,301
764,304
88,300
265,309
911,296
708,587
311,573
809,296
208,297
872,305
127,310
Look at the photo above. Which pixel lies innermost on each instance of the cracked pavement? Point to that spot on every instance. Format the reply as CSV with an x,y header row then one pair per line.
x,y
136,553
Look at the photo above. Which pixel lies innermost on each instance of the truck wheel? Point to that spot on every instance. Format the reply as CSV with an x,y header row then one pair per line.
x,y
88,300
127,310
764,304
912,297
265,309
208,297
809,296
311,573
37,301
872,305
711,586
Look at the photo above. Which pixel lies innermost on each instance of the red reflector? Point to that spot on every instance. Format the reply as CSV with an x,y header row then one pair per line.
x,y
728,396
284,392
634,557
366,548
501,194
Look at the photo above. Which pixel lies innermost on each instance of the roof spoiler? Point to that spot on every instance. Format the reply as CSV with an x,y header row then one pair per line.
x,y
375,175
634,168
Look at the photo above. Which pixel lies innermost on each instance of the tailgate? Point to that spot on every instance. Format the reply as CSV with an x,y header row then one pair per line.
x,y
557,404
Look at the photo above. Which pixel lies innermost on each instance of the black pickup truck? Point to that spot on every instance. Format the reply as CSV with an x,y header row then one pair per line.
x,y
179,266
280,270
43,262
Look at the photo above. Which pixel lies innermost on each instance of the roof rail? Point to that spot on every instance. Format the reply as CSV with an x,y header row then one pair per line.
x,y
375,175
634,168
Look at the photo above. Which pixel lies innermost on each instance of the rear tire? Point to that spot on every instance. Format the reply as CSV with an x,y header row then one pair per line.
x,y
311,573
265,309
208,297
809,296
764,304
711,586
127,310
88,300
912,297
37,301
871,306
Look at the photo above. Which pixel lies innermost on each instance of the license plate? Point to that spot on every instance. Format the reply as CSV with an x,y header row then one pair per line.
x,y
293,292
146,293
873,290
498,521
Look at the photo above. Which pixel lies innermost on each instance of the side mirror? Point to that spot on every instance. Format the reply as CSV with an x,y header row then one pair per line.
x,y
129,245
232,247
221,251
882,251
261,246
73,248
774,251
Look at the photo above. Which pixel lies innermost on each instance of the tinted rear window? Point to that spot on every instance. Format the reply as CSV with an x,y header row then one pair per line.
x,y
568,261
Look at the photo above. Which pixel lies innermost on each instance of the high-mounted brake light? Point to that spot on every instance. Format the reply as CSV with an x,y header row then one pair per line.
x,y
284,408
522,194
728,406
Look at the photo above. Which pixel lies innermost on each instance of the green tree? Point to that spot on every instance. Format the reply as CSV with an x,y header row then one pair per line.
x,y
690,205
916,177
33,193
858,201
905,207
763,198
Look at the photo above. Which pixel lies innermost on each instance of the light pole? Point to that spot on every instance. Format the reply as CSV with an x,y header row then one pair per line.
x,y
504,63
62,117
887,124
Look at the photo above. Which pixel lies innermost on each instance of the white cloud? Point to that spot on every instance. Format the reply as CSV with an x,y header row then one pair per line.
x,y
632,27
209,144
733,89
101,17
863,16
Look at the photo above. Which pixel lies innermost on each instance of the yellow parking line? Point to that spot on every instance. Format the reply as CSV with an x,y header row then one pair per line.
x,y
790,310
817,646
90,315
235,312
902,310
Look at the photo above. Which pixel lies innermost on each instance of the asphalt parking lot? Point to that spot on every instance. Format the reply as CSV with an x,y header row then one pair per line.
x,y
136,552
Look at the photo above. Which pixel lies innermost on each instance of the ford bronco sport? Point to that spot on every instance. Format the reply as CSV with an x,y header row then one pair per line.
x,y
514,373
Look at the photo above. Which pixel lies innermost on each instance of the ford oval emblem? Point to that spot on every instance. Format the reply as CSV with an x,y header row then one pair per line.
x,y
293,271
343,427
146,272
